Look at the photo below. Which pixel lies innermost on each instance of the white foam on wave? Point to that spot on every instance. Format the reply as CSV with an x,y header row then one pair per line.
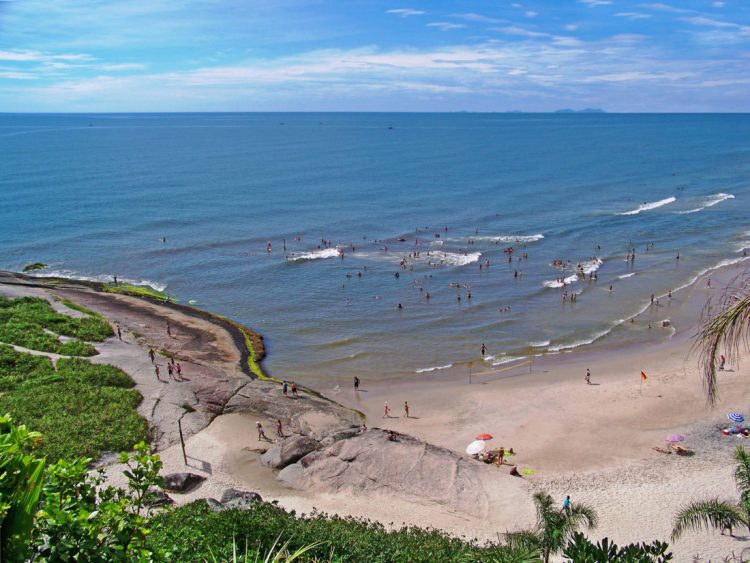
x,y
540,344
101,278
506,360
437,243
579,343
440,258
510,238
586,267
623,276
647,206
710,201
435,368
315,255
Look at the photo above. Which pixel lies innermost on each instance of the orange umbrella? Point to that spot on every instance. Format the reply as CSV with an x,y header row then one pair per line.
x,y
484,437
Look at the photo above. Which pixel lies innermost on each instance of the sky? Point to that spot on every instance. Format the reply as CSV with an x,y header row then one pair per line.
x,y
357,55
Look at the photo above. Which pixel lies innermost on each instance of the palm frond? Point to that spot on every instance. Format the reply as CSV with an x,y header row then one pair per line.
x,y
742,471
544,507
712,513
723,328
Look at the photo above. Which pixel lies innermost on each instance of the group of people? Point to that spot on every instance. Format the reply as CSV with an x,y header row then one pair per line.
x,y
174,369
262,433
285,388
387,410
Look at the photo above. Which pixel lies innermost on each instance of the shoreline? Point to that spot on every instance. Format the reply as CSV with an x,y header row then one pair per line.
x,y
592,442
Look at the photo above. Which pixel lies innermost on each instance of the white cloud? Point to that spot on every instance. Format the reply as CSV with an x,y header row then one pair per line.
x,y
36,56
474,17
445,26
571,27
531,14
595,3
120,66
717,4
633,15
14,75
405,12
659,7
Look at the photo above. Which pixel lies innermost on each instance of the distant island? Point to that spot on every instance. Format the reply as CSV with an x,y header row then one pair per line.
x,y
587,110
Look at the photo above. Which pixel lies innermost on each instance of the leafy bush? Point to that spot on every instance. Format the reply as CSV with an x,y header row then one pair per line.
x,y
78,419
34,266
581,550
17,367
77,348
195,533
98,375
81,520
23,322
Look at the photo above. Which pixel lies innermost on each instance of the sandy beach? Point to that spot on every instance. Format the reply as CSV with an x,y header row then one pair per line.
x,y
593,442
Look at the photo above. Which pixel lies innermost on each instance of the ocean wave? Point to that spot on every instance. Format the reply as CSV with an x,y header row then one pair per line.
x,y
710,201
315,255
510,238
507,360
101,278
436,368
579,343
623,276
557,283
540,344
647,206
441,258
584,267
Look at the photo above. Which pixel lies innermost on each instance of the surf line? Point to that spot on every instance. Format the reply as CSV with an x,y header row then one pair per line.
x,y
527,362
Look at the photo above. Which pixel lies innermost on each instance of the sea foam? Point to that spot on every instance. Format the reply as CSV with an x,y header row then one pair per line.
x,y
435,368
709,201
315,255
101,278
648,206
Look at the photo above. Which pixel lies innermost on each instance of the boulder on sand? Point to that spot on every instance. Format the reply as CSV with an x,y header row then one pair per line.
x,y
182,482
289,451
234,498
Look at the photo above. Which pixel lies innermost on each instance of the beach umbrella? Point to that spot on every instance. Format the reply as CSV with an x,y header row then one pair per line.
x,y
484,437
736,417
674,438
475,447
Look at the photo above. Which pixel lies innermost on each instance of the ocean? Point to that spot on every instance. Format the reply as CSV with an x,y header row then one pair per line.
x,y
378,210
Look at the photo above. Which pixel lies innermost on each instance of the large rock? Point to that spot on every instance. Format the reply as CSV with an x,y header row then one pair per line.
x,y
406,468
234,498
289,451
182,482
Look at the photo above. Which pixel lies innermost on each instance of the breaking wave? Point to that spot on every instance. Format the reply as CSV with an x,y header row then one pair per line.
x,y
436,368
315,255
710,201
646,206
101,278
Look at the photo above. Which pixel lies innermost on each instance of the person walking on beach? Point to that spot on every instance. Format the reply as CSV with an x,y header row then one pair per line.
x,y
386,410
356,383
566,505
279,428
119,331
178,369
722,361
708,285
406,409
170,371
169,329
157,372
261,432
151,354
285,388
588,376
484,349
294,390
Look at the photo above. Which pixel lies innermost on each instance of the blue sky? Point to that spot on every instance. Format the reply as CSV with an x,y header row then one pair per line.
x,y
356,55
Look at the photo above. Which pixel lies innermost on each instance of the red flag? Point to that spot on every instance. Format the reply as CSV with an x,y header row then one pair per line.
x,y
644,377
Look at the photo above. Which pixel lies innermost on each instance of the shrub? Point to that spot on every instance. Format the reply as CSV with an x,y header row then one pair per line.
x,y
98,375
77,348
78,419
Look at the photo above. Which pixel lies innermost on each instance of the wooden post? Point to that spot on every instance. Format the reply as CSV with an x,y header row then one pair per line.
x,y
470,365
182,440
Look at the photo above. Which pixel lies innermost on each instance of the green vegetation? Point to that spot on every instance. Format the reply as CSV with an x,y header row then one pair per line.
x,y
137,290
34,266
20,486
719,514
80,308
195,533
582,550
83,409
554,527
31,322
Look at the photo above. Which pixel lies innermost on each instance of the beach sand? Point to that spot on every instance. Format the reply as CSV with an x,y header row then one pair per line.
x,y
593,442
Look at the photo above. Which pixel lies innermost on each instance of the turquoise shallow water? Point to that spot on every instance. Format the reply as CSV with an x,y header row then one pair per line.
x,y
93,195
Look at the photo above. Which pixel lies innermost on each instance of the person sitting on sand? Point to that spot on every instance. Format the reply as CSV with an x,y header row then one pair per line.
x,y
392,436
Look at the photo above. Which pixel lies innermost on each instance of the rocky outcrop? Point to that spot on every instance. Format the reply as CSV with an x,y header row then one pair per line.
x,y
289,451
234,498
407,468
182,482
